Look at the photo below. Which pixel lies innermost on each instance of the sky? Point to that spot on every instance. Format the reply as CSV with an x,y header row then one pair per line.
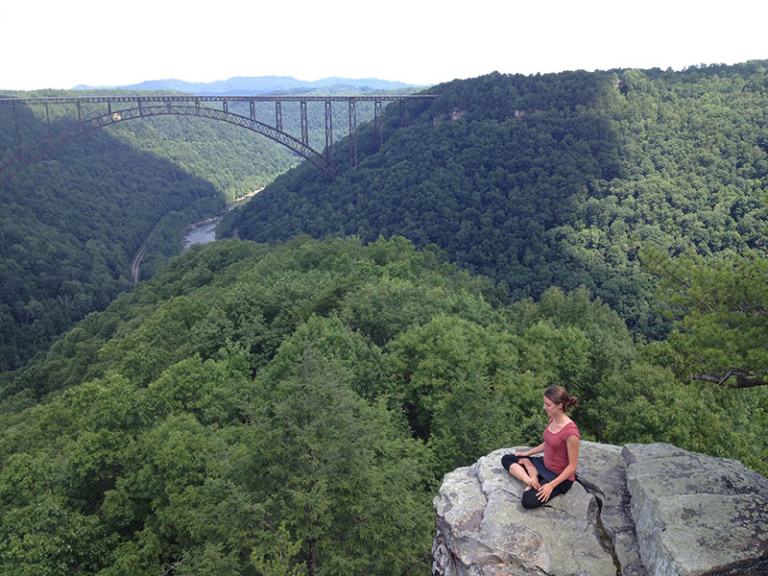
x,y
62,44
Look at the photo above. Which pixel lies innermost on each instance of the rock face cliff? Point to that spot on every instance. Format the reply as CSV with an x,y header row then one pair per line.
x,y
636,510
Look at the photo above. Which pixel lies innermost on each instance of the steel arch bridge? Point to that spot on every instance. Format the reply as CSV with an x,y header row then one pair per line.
x,y
111,110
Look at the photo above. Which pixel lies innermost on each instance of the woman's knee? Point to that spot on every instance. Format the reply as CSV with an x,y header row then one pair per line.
x,y
508,460
530,500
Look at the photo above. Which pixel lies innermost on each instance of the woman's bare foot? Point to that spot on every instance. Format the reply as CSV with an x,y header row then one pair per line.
x,y
532,483
528,484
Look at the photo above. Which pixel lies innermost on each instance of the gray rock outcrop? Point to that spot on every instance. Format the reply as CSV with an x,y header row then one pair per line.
x,y
637,510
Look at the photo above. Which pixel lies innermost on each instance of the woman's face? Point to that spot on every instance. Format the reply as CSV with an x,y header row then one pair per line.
x,y
550,407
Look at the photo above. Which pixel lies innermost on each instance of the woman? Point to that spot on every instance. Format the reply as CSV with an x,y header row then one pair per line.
x,y
557,469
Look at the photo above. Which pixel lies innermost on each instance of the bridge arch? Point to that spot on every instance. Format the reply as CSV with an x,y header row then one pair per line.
x,y
148,106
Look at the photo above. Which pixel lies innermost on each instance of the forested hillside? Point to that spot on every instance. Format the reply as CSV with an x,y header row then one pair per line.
x,y
554,180
72,223
288,407
289,410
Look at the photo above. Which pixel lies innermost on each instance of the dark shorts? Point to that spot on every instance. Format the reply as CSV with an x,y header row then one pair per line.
x,y
545,475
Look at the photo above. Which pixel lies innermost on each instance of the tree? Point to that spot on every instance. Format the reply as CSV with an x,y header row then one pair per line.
x,y
721,311
335,473
459,385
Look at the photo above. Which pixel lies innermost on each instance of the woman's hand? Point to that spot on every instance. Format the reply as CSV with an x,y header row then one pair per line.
x,y
545,491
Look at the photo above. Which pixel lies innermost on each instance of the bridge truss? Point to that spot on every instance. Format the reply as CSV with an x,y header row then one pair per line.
x,y
95,112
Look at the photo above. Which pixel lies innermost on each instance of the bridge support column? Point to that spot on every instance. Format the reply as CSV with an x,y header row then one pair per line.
x,y
304,123
16,127
328,132
352,134
377,121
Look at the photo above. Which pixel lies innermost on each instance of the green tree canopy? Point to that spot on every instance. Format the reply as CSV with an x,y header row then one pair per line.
x,y
721,310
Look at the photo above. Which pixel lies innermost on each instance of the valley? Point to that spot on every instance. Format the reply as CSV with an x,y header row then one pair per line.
x,y
288,398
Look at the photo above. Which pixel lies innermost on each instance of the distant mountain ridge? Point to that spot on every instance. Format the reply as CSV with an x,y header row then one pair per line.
x,y
263,85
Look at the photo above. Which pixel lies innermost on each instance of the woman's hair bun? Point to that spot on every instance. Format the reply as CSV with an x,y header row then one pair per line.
x,y
558,395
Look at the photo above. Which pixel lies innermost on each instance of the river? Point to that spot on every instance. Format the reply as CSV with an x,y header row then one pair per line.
x,y
204,232
201,233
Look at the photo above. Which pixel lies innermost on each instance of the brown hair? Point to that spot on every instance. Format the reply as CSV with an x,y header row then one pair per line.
x,y
558,395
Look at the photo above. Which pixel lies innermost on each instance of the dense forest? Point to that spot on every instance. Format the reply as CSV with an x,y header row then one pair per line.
x,y
289,410
555,179
75,220
72,223
287,400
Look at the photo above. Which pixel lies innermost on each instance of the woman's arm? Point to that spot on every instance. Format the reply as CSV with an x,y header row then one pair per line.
x,y
572,443
537,450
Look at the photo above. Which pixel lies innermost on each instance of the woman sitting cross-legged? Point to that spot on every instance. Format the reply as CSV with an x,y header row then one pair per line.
x,y
557,469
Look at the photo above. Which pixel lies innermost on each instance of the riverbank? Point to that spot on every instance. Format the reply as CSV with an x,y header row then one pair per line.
x,y
205,231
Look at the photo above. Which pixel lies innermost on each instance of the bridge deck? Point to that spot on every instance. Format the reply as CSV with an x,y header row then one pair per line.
x,y
214,98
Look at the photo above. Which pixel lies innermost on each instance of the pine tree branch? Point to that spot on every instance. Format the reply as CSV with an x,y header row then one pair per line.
x,y
742,380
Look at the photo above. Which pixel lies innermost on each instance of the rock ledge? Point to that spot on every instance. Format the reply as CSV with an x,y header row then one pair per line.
x,y
637,510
